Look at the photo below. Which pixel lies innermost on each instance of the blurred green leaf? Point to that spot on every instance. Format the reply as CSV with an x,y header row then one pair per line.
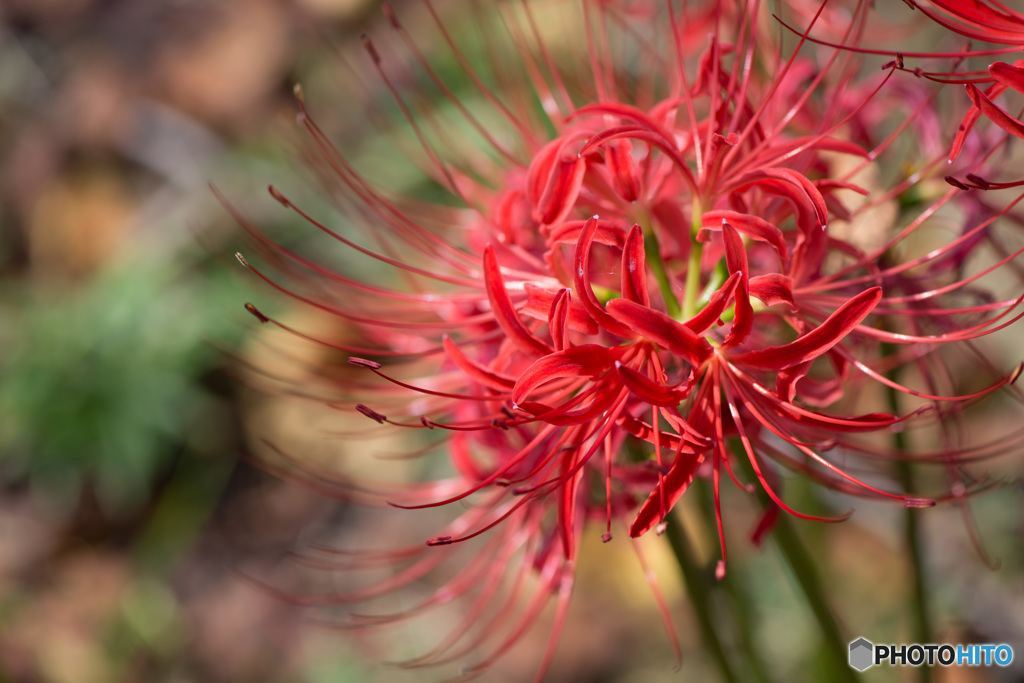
x,y
101,381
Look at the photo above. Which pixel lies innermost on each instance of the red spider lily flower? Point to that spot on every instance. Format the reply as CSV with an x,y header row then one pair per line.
x,y
988,22
645,282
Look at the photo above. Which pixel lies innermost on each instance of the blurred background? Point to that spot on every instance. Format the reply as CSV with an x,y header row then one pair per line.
x,y
125,503
128,501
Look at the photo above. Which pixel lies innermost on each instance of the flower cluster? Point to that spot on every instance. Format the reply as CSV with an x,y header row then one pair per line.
x,y
685,247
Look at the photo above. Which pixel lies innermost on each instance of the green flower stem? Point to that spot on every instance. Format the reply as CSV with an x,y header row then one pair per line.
x,y
806,573
919,607
693,264
739,602
801,564
698,588
652,251
692,280
920,611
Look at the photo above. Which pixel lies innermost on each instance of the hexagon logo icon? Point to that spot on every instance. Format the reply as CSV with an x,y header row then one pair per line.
x,y
862,653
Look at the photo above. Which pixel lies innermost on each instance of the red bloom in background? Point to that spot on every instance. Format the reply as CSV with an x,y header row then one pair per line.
x,y
991,23
652,277
994,23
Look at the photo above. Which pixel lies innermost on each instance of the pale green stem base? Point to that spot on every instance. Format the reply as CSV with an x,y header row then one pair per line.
x,y
698,589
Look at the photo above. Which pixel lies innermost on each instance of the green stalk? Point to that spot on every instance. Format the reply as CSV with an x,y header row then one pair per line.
x,y
692,280
693,265
806,573
738,600
919,607
802,566
652,251
698,588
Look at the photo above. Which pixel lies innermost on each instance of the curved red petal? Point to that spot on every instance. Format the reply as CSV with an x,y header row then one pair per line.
x,y
772,288
664,497
538,306
634,268
1010,75
817,341
554,180
659,328
754,227
475,371
586,361
736,260
558,319
650,391
710,314
994,112
619,158
581,282
504,313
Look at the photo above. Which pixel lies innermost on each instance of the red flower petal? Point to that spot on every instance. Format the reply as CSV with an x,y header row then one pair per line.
x,y
659,328
558,318
796,187
554,180
619,159
565,416
652,392
772,289
994,112
589,360
1009,75
512,217
581,282
736,260
475,371
569,232
538,306
629,113
966,126
817,341
667,145
634,268
504,313
979,21
674,485
785,381
710,314
754,227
